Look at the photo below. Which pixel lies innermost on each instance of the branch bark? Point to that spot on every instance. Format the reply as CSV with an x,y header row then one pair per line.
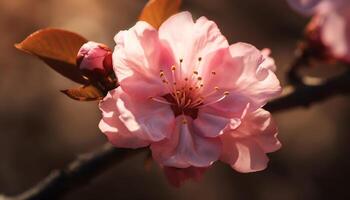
x,y
305,95
88,166
78,173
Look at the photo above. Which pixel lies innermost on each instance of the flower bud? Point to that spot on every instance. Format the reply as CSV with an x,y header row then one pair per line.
x,y
95,59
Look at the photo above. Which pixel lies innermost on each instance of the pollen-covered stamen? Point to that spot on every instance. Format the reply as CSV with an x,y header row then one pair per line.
x,y
225,94
185,94
161,100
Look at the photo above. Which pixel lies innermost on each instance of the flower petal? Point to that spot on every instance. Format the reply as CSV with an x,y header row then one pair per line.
x,y
250,157
114,129
137,60
156,120
190,40
304,6
209,124
185,148
244,148
335,32
257,83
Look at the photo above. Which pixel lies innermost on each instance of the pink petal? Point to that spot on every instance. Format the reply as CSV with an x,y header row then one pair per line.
x,y
220,69
250,157
304,6
114,129
335,32
256,83
244,148
260,126
185,148
243,155
190,40
209,124
137,60
156,120
178,176
268,63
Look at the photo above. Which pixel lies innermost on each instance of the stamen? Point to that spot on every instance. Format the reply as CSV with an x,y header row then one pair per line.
x,y
160,101
226,93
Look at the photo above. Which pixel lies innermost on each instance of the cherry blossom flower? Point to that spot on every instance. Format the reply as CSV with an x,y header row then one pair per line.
x,y
190,96
329,27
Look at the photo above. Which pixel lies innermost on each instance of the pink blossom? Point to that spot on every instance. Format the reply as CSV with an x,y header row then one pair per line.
x,y
95,58
330,25
190,96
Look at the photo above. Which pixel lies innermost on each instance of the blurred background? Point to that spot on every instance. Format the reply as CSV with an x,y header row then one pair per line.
x,y
41,129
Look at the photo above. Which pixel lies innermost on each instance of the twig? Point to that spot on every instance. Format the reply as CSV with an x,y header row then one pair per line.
x,y
305,95
88,166
77,174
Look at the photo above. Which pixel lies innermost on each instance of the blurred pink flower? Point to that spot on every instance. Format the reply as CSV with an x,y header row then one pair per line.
x,y
184,90
330,25
95,58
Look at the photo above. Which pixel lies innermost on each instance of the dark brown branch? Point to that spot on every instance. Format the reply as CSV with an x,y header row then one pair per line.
x,y
305,95
77,174
88,166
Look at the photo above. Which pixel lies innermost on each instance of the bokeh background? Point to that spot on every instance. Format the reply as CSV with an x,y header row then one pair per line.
x,y
41,129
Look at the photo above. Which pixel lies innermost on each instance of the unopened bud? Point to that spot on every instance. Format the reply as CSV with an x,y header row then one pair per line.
x,y
95,59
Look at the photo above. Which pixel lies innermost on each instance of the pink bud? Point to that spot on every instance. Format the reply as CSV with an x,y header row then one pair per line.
x,y
95,59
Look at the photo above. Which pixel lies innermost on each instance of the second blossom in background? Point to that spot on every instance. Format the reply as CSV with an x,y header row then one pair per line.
x,y
329,29
191,97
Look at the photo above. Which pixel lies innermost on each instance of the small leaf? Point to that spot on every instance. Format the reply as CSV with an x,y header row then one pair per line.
x,y
157,11
85,93
57,48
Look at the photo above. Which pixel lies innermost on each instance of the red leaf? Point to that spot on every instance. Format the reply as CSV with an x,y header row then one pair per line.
x,y
86,93
57,48
157,11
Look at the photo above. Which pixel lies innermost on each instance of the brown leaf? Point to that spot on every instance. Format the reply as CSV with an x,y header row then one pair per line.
x,y
57,48
86,93
157,11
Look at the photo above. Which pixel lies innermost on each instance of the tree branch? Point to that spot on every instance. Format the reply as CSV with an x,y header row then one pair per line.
x,y
305,95
88,166
76,174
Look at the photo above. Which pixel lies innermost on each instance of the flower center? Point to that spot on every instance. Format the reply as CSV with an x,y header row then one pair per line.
x,y
186,94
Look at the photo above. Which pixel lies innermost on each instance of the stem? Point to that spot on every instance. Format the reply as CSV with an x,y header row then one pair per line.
x,y
77,174
304,95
